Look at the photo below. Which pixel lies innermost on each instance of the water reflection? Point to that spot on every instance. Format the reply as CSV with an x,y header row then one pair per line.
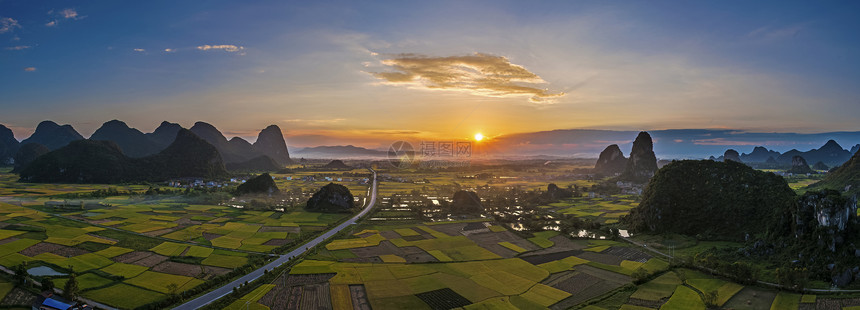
x,y
42,271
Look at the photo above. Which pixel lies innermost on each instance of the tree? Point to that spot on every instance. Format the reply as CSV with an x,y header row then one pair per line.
x,y
640,275
172,288
710,299
21,274
47,284
71,289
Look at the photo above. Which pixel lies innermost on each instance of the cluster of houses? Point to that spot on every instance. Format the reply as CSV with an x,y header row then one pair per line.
x,y
75,205
200,183
49,301
789,174
628,188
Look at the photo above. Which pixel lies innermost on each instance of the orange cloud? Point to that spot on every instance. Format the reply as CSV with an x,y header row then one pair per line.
x,y
478,74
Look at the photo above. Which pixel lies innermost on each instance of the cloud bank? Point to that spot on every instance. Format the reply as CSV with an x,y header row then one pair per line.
x,y
479,74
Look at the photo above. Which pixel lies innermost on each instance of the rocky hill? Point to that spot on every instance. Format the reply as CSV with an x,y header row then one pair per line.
x,y
91,161
799,166
554,193
132,142
466,202
214,137
261,184
611,161
332,198
820,166
714,200
845,178
259,163
27,154
8,146
759,154
238,150
830,153
642,162
164,135
188,156
732,155
271,142
53,136
336,164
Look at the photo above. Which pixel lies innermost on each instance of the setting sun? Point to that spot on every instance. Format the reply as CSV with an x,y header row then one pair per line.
x,y
479,137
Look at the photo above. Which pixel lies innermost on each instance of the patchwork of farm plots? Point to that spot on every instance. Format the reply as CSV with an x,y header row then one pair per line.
x,y
606,210
443,266
210,225
115,268
10,187
404,181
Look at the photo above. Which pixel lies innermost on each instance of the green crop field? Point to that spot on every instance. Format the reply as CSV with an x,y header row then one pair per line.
x,y
225,261
124,270
541,239
684,298
113,251
85,281
160,282
659,288
786,301
124,296
249,301
5,288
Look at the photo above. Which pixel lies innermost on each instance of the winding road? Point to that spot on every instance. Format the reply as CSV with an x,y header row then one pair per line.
x,y
228,288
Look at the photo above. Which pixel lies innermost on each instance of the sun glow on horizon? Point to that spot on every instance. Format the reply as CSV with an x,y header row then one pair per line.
x,y
479,137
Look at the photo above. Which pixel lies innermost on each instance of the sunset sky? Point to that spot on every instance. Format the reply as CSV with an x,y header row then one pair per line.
x,y
359,73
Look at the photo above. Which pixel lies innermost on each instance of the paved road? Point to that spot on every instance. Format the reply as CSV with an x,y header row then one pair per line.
x,y
228,288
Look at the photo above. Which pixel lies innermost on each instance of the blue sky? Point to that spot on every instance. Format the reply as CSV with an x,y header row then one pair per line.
x,y
313,67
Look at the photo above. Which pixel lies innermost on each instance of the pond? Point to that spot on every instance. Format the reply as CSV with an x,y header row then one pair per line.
x,y
42,271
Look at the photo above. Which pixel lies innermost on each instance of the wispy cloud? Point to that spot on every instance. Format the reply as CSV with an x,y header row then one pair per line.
x,y
8,24
225,47
70,14
18,48
478,74
314,121
30,69
776,33
64,14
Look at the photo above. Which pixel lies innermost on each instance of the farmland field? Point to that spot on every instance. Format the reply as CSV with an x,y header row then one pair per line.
x,y
470,268
111,263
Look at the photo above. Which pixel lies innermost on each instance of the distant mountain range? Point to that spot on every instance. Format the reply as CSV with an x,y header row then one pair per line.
x,y
52,135
136,144
581,143
100,161
668,144
831,153
270,142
